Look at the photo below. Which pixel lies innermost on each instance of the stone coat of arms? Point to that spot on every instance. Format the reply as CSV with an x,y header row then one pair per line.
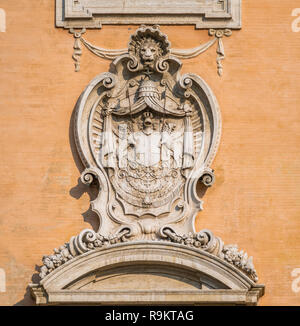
x,y
148,135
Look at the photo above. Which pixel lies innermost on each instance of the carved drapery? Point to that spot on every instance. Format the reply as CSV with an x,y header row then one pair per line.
x,y
188,141
219,17
110,54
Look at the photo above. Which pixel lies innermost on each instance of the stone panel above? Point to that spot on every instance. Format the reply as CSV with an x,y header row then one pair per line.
x,y
204,14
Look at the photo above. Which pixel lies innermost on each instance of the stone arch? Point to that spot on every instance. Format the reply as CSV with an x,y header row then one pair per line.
x,y
130,273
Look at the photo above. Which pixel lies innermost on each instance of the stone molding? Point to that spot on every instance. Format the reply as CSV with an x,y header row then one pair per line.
x,y
204,14
89,240
201,277
217,16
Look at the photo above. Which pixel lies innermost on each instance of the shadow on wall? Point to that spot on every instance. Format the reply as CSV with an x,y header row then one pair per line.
x,y
28,300
89,216
201,189
76,192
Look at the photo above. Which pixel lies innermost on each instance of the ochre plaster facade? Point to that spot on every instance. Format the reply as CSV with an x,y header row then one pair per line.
x,y
255,201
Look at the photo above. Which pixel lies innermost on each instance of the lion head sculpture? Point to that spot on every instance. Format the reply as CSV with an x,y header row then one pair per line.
x,y
149,44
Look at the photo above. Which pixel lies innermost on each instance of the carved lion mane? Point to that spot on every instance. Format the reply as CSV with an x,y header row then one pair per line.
x,y
149,35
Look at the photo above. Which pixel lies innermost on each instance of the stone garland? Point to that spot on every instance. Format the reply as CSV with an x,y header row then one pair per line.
x,y
111,54
86,241
89,240
205,240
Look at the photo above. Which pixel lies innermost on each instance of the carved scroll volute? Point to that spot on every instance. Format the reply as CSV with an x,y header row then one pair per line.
x,y
196,89
147,135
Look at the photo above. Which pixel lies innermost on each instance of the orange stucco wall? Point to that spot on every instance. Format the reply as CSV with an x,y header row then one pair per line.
x,y
256,199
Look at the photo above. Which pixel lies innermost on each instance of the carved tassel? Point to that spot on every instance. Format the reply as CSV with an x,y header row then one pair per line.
x,y
220,49
77,54
77,47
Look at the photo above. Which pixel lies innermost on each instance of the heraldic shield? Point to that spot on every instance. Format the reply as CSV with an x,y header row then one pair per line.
x,y
148,135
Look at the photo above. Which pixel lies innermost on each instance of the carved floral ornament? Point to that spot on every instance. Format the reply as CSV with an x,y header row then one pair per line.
x,y
146,136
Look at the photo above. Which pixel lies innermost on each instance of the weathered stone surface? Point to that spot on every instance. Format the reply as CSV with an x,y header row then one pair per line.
x,y
146,135
88,240
144,273
201,13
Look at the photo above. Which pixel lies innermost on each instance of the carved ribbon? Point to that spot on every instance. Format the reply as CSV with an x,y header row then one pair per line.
x,y
192,53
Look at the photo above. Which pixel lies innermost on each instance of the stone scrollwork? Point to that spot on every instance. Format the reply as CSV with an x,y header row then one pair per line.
x,y
206,241
86,241
89,240
110,54
147,136
208,178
